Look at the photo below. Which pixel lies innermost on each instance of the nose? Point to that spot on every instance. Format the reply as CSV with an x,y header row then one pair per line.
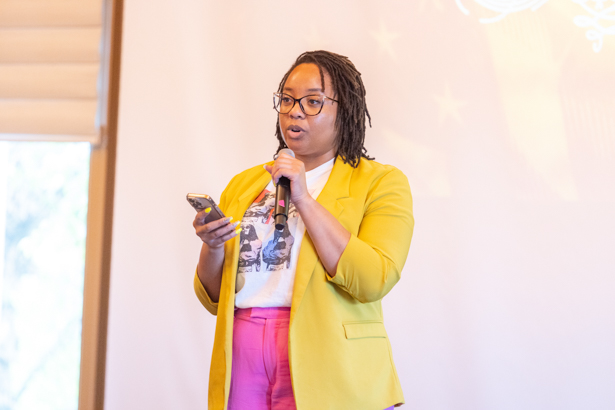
x,y
296,111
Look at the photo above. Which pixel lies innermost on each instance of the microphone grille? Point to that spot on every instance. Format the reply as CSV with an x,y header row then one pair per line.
x,y
286,151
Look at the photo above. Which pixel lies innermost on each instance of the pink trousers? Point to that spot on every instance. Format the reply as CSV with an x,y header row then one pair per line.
x,y
260,375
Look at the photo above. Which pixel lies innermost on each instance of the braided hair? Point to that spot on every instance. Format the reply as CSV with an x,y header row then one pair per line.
x,y
350,94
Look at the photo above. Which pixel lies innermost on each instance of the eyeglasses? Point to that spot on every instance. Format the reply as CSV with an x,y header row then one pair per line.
x,y
310,104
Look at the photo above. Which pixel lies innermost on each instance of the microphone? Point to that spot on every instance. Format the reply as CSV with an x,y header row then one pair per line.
x,y
282,197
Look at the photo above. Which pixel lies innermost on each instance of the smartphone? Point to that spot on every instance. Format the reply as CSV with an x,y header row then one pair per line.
x,y
202,201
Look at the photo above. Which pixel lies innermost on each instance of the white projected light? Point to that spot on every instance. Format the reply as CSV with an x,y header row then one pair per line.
x,y
503,7
599,14
504,128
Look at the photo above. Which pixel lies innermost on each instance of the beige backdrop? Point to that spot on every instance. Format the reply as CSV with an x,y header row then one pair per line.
x,y
504,125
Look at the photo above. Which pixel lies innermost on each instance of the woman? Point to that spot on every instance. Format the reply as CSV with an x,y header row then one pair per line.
x,y
305,329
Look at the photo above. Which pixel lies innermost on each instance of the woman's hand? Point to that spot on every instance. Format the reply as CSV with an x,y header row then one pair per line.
x,y
215,233
294,170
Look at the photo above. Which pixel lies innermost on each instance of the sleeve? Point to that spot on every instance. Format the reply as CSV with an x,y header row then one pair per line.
x,y
199,289
203,296
373,260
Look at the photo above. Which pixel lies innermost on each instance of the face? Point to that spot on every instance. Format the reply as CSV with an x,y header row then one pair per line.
x,y
312,138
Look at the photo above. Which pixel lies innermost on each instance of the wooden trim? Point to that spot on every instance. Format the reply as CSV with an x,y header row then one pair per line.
x,y
100,219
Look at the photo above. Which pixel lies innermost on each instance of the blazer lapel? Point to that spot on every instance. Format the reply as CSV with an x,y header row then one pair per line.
x,y
336,189
245,199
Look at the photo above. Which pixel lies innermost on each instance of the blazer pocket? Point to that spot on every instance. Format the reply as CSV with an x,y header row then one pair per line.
x,y
361,330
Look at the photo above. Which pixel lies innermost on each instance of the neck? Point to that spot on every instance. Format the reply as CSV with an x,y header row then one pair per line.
x,y
314,162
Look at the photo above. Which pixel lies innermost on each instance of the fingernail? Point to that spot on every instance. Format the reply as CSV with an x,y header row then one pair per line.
x,y
237,231
229,219
208,210
236,223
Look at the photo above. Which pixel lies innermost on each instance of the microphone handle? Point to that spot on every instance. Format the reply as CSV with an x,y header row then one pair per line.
x,y
282,203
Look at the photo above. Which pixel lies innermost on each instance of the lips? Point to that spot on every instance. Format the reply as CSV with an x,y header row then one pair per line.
x,y
295,128
294,131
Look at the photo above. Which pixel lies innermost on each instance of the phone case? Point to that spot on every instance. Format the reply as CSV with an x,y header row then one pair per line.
x,y
202,201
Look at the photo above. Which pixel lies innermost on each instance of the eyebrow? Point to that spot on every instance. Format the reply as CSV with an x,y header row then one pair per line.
x,y
309,89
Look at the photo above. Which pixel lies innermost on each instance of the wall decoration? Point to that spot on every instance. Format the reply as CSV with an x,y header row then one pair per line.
x,y
598,15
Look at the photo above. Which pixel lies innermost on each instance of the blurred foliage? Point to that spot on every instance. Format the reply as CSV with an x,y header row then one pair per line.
x,y
42,273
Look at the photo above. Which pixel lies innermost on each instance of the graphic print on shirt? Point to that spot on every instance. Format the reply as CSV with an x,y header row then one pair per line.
x,y
261,209
257,228
277,251
250,251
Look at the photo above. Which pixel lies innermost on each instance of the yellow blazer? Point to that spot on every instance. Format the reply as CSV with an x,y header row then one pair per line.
x,y
340,356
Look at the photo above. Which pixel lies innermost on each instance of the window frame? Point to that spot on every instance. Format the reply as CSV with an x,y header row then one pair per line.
x,y
100,217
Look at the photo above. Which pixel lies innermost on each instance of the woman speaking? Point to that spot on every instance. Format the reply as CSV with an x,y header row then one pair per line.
x,y
299,316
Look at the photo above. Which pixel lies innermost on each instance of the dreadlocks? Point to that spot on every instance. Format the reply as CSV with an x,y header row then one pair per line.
x,y
349,92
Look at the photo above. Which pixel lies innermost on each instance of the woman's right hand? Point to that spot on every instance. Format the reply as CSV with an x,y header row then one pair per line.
x,y
215,233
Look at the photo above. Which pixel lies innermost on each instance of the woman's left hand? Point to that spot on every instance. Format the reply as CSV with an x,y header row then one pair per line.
x,y
294,170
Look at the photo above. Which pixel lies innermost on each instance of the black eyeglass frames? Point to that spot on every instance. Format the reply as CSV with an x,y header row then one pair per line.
x,y
310,104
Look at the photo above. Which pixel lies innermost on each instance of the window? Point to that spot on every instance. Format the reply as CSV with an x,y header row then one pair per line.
x,y
58,109
44,207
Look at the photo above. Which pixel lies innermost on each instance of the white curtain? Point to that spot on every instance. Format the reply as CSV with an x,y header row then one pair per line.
x,y
502,119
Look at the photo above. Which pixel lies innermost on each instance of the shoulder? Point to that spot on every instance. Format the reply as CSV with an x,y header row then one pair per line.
x,y
251,173
374,173
246,178
380,184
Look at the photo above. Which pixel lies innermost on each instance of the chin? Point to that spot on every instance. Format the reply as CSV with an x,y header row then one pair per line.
x,y
295,146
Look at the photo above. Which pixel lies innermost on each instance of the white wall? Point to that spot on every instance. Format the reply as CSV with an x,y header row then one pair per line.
x,y
507,135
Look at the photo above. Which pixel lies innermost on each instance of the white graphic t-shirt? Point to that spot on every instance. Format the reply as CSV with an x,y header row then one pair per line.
x,y
268,257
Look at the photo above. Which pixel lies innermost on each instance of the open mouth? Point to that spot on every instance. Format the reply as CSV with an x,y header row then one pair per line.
x,y
294,130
